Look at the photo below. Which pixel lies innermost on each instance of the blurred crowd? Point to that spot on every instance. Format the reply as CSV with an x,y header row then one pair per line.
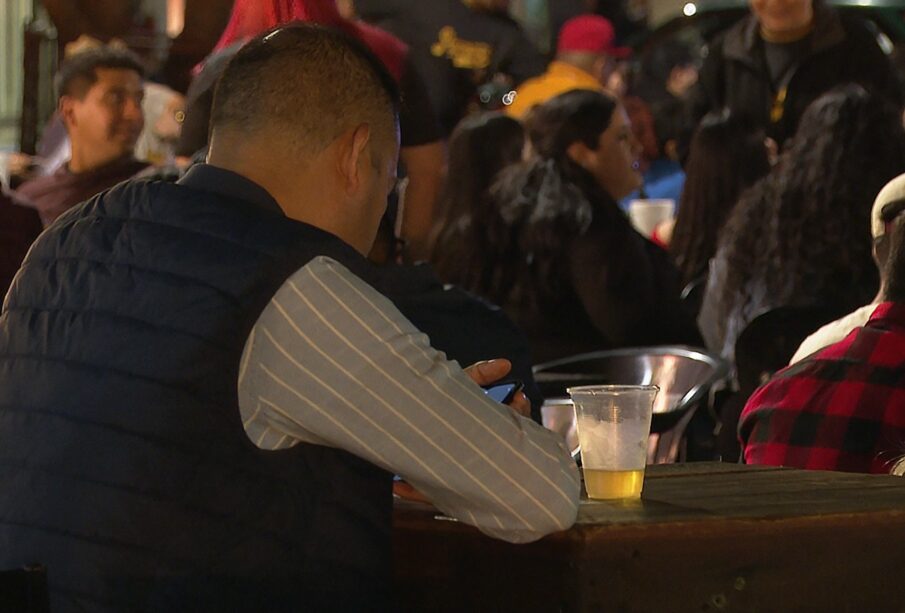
x,y
562,192
601,196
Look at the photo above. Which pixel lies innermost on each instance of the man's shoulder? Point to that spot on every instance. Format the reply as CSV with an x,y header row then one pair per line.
x,y
833,332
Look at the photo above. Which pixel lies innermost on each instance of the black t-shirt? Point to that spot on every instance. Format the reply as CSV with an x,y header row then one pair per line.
x,y
781,59
455,49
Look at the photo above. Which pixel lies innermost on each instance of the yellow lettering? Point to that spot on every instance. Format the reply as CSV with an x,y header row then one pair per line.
x,y
464,54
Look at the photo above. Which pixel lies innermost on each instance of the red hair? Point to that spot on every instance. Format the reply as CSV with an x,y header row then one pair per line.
x,y
251,17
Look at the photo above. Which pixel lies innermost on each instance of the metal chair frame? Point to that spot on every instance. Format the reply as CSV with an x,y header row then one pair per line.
x,y
667,428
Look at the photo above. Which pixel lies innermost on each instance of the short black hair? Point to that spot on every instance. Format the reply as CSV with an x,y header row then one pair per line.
x,y
312,81
78,73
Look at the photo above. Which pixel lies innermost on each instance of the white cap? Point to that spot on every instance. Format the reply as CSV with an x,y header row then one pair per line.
x,y
892,191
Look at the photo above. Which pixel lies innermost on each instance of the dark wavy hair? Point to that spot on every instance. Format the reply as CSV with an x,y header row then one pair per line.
x,y
726,156
471,232
803,232
549,199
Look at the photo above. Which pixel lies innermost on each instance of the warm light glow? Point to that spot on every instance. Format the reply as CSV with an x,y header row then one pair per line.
x,y
690,9
175,17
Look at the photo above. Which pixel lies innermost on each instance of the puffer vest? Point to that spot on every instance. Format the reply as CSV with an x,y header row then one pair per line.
x,y
124,465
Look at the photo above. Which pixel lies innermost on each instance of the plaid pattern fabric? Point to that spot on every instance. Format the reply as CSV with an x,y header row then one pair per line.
x,y
842,408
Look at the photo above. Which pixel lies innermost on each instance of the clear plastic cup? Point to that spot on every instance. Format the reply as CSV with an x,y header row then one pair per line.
x,y
613,428
647,214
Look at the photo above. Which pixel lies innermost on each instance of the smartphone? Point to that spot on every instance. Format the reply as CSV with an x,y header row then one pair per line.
x,y
504,392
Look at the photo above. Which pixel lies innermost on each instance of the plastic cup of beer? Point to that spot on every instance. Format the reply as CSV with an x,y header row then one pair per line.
x,y
613,428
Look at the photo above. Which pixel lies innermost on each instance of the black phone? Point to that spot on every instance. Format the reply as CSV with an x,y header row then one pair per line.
x,y
504,391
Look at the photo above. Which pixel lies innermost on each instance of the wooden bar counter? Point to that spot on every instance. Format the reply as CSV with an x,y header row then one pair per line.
x,y
705,537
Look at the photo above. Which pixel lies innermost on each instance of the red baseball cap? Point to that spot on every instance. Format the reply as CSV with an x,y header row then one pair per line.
x,y
591,33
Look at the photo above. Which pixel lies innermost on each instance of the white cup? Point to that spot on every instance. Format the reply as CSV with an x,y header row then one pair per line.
x,y
646,215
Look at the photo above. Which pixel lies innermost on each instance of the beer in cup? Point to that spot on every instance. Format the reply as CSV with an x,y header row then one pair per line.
x,y
613,428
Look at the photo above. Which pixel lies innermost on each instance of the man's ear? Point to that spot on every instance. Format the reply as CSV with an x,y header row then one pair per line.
x,y
355,153
66,108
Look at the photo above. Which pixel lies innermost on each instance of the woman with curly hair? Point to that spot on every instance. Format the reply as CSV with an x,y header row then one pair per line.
x,y
725,157
801,236
581,278
471,232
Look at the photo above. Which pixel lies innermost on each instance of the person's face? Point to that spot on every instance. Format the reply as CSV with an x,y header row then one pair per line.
x,y
782,16
614,163
108,119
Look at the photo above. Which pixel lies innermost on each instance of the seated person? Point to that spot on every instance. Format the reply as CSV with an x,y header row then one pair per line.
x,y
842,408
889,204
581,278
797,237
725,158
19,227
203,399
100,105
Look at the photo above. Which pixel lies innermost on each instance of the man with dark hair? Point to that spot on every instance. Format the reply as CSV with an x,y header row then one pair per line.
x,y
842,408
100,93
203,399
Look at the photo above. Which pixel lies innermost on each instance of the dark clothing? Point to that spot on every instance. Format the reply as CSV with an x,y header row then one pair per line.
x,y
19,227
464,327
843,408
417,122
54,194
838,50
616,289
126,468
455,49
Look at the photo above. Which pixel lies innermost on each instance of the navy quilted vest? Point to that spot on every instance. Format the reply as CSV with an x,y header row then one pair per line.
x,y
124,466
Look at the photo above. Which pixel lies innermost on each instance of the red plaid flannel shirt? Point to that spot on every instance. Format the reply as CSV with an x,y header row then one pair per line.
x,y
842,408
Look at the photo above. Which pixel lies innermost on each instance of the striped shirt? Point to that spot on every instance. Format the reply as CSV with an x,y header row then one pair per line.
x,y
332,362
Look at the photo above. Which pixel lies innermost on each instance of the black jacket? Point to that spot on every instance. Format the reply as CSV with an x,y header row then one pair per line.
x,y
838,50
613,287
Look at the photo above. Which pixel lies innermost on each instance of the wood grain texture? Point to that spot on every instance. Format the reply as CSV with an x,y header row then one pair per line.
x,y
706,537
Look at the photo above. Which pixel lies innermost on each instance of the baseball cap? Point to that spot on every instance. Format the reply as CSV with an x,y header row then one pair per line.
x,y
591,33
892,192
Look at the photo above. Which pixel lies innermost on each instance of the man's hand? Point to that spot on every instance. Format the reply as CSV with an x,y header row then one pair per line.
x,y
486,373
482,373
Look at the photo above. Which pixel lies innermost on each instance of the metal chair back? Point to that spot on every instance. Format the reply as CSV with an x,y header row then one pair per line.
x,y
684,375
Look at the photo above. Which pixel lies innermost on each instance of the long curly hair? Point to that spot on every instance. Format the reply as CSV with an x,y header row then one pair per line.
x,y
726,156
471,234
802,233
550,199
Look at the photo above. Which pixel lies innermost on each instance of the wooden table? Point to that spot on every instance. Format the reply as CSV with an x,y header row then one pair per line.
x,y
705,537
